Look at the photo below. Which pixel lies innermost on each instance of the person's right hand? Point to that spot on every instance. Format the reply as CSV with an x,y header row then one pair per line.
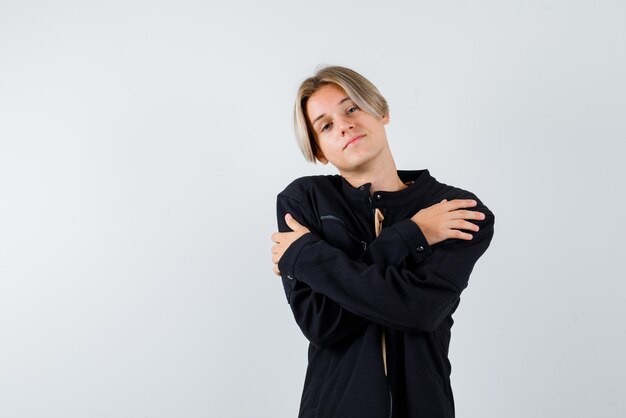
x,y
442,220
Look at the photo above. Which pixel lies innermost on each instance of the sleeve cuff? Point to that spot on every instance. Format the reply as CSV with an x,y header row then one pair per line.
x,y
414,239
287,262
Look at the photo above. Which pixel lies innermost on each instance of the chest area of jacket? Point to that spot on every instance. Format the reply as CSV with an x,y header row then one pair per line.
x,y
350,225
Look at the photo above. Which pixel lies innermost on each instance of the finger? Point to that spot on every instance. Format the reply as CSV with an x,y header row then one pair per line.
x,y
276,271
279,237
467,214
461,235
460,224
460,203
276,258
292,223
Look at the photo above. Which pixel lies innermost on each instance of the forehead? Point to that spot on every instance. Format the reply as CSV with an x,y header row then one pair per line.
x,y
324,100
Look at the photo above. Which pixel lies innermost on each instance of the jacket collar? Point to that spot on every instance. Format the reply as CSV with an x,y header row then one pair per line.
x,y
417,191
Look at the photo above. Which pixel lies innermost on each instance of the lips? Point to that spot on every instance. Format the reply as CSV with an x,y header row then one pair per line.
x,y
353,140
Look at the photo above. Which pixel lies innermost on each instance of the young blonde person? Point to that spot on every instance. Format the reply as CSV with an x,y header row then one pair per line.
x,y
373,260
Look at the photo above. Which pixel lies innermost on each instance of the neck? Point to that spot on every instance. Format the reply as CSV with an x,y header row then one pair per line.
x,y
383,177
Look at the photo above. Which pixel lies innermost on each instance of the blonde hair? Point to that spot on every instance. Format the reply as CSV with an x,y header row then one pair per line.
x,y
362,92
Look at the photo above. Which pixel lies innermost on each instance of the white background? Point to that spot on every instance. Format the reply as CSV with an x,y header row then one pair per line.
x,y
142,145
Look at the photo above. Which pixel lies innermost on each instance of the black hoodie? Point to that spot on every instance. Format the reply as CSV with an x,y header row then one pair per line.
x,y
346,286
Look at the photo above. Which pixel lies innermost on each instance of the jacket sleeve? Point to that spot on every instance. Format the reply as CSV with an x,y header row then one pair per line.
x,y
395,243
321,320
409,296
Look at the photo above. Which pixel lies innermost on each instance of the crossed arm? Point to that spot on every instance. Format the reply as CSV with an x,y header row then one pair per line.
x,y
333,297
438,223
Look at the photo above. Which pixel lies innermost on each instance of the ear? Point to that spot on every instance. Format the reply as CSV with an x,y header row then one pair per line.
x,y
386,119
320,157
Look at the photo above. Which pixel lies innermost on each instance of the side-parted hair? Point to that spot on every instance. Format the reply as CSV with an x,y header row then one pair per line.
x,y
362,92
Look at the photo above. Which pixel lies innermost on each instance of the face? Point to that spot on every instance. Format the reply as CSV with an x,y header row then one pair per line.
x,y
350,138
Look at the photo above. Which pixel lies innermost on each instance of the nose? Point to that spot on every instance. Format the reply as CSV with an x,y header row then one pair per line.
x,y
345,125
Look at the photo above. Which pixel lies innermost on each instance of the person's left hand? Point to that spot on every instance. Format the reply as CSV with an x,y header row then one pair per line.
x,y
284,239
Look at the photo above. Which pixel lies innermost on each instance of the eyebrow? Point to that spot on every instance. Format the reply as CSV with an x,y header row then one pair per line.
x,y
324,114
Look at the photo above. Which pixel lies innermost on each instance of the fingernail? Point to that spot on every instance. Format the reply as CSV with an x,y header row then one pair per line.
x,y
287,216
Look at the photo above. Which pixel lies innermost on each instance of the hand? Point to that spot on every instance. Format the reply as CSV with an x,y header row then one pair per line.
x,y
284,239
442,220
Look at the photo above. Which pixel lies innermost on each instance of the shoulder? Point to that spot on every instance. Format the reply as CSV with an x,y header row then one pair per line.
x,y
304,196
482,238
442,191
303,187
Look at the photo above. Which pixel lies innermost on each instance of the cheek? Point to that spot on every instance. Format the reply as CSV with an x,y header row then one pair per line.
x,y
332,150
325,144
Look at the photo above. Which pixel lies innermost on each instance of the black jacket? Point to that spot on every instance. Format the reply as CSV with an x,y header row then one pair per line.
x,y
345,285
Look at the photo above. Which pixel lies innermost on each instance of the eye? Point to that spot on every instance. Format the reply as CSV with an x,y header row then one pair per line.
x,y
325,127
352,109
